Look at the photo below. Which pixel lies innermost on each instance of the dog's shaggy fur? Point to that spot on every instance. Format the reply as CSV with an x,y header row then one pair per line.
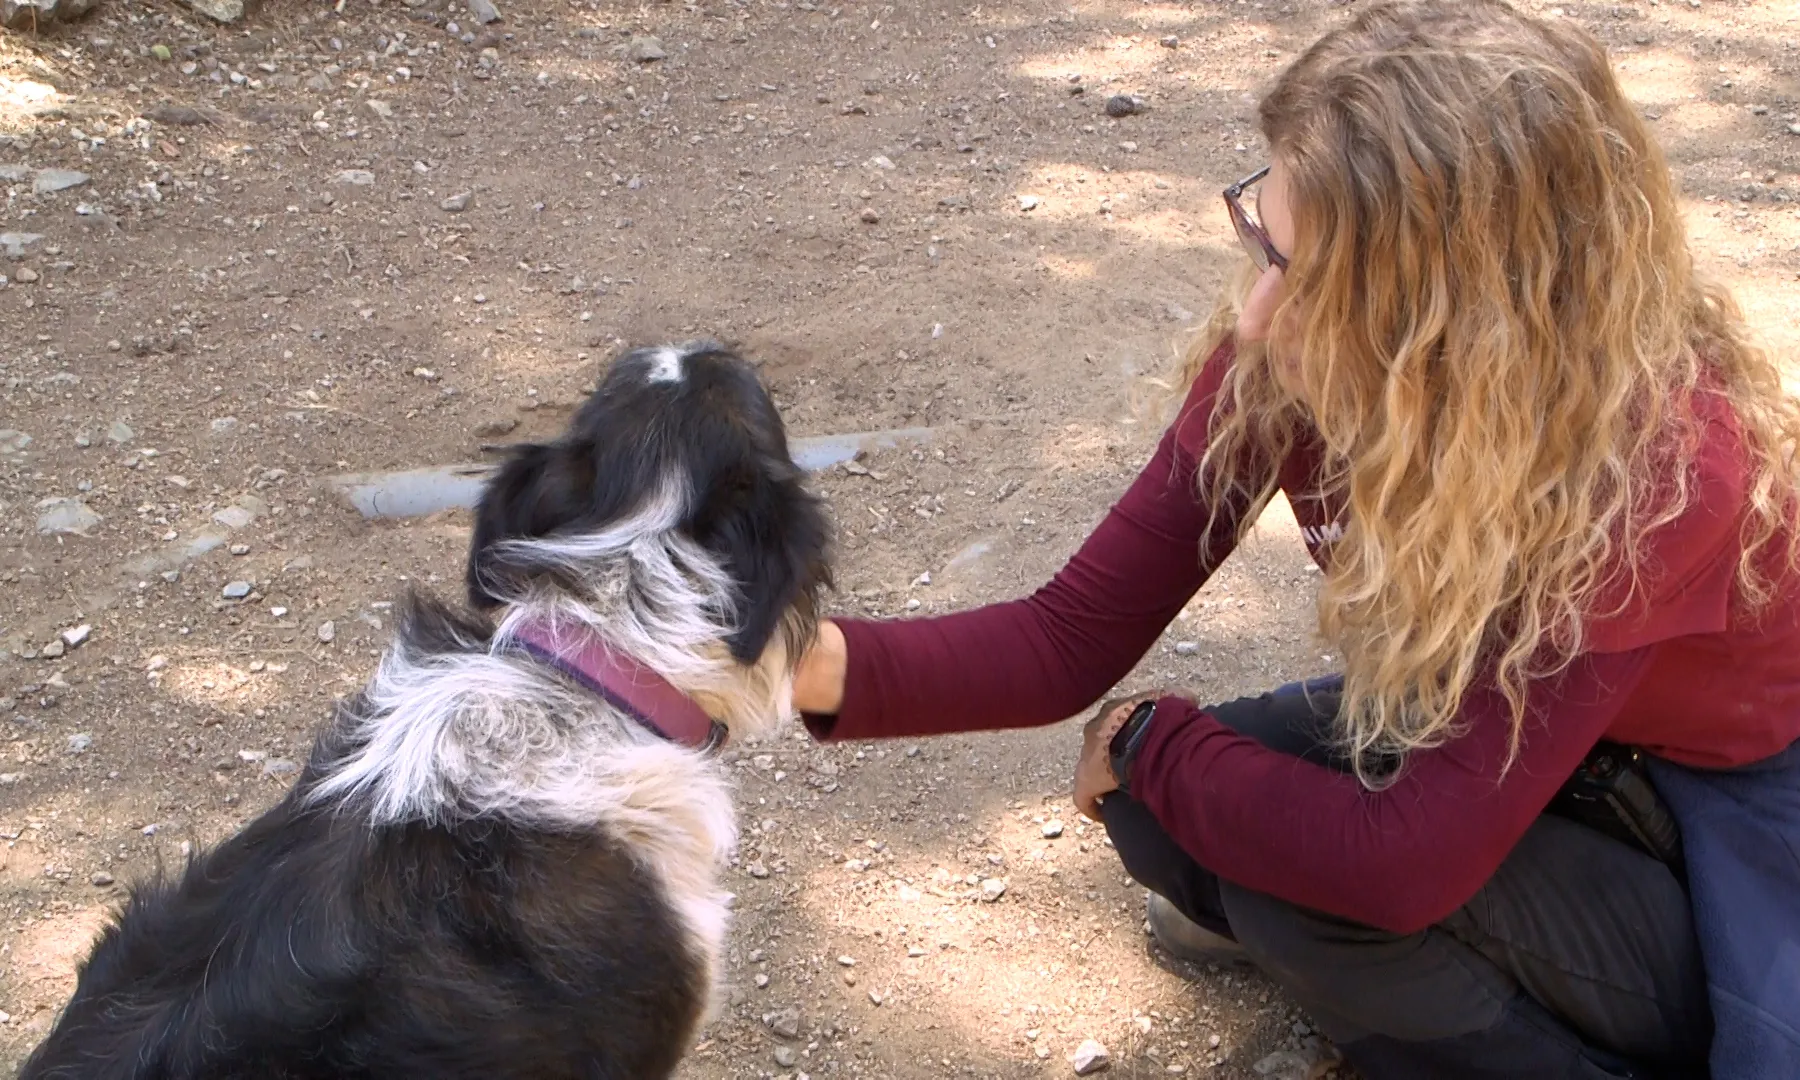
x,y
486,870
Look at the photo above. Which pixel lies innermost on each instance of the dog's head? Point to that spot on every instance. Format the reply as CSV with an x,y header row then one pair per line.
x,y
680,450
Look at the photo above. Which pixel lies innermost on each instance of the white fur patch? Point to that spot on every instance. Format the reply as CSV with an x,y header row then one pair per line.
x,y
665,365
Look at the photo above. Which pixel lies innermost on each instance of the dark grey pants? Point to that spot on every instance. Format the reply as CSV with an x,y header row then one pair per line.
x,y
1577,959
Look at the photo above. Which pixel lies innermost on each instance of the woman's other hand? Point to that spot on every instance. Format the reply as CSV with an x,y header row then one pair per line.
x,y
1093,773
819,679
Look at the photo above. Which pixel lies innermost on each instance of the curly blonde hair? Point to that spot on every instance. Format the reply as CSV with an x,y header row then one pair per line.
x,y
1499,327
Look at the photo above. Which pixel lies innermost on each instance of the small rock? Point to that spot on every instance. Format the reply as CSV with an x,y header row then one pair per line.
x,y
224,11
457,203
757,870
1052,829
992,889
175,115
240,549
882,161
162,52
328,631
13,442
1794,129
869,216
223,425
75,636
252,756
78,744
101,879
26,276
847,961
785,1023
644,49
785,1057
1122,105
54,650
1187,648
1171,42
1090,1058
380,108
358,177
49,181
1029,203
237,590
484,11
279,767
762,981
233,517
493,429
120,432
65,516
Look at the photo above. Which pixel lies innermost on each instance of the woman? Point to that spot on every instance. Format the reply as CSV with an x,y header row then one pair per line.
x,y
1554,491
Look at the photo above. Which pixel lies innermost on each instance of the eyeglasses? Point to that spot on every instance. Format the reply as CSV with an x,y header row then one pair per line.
x,y
1250,232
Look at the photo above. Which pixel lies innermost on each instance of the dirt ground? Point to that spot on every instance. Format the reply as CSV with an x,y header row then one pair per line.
x,y
913,214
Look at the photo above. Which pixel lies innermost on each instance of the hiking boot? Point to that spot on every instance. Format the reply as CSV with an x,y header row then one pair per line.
x,y
1186,939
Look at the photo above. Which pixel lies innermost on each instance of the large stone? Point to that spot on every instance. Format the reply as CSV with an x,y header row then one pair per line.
x,y
58,516
484,11
15,243
32,14
50,181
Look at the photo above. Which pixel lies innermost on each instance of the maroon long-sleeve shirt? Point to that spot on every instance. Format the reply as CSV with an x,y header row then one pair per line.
x,y
1681,672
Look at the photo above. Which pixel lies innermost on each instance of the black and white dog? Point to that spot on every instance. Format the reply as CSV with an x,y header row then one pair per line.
x,y
502,857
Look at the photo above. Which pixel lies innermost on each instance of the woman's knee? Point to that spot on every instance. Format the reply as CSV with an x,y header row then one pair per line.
x,y
1148,853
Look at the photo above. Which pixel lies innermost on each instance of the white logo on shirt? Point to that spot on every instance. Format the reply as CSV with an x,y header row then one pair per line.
x,y
1315,535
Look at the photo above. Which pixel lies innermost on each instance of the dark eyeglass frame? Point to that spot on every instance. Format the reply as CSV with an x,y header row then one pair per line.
x,y
1250,231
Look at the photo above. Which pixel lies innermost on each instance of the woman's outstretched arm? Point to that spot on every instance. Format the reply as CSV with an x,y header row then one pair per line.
x,y
1040,659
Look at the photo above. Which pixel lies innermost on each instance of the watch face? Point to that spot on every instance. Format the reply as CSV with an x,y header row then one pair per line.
x,y
1122,737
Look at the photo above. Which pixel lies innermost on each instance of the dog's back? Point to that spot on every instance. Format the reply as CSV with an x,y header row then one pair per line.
x,y
311,946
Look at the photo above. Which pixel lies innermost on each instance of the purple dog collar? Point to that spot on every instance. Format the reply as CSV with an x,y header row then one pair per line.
x,y
628,685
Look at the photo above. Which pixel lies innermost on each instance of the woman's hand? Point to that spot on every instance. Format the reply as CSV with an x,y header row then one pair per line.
x,y
1093,773
819,678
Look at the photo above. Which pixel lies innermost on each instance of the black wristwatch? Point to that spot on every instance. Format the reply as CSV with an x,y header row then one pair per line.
x,y
1127,741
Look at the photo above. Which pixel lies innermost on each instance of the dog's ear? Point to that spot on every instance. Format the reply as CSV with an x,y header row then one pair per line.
x,y
535,493
773,536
